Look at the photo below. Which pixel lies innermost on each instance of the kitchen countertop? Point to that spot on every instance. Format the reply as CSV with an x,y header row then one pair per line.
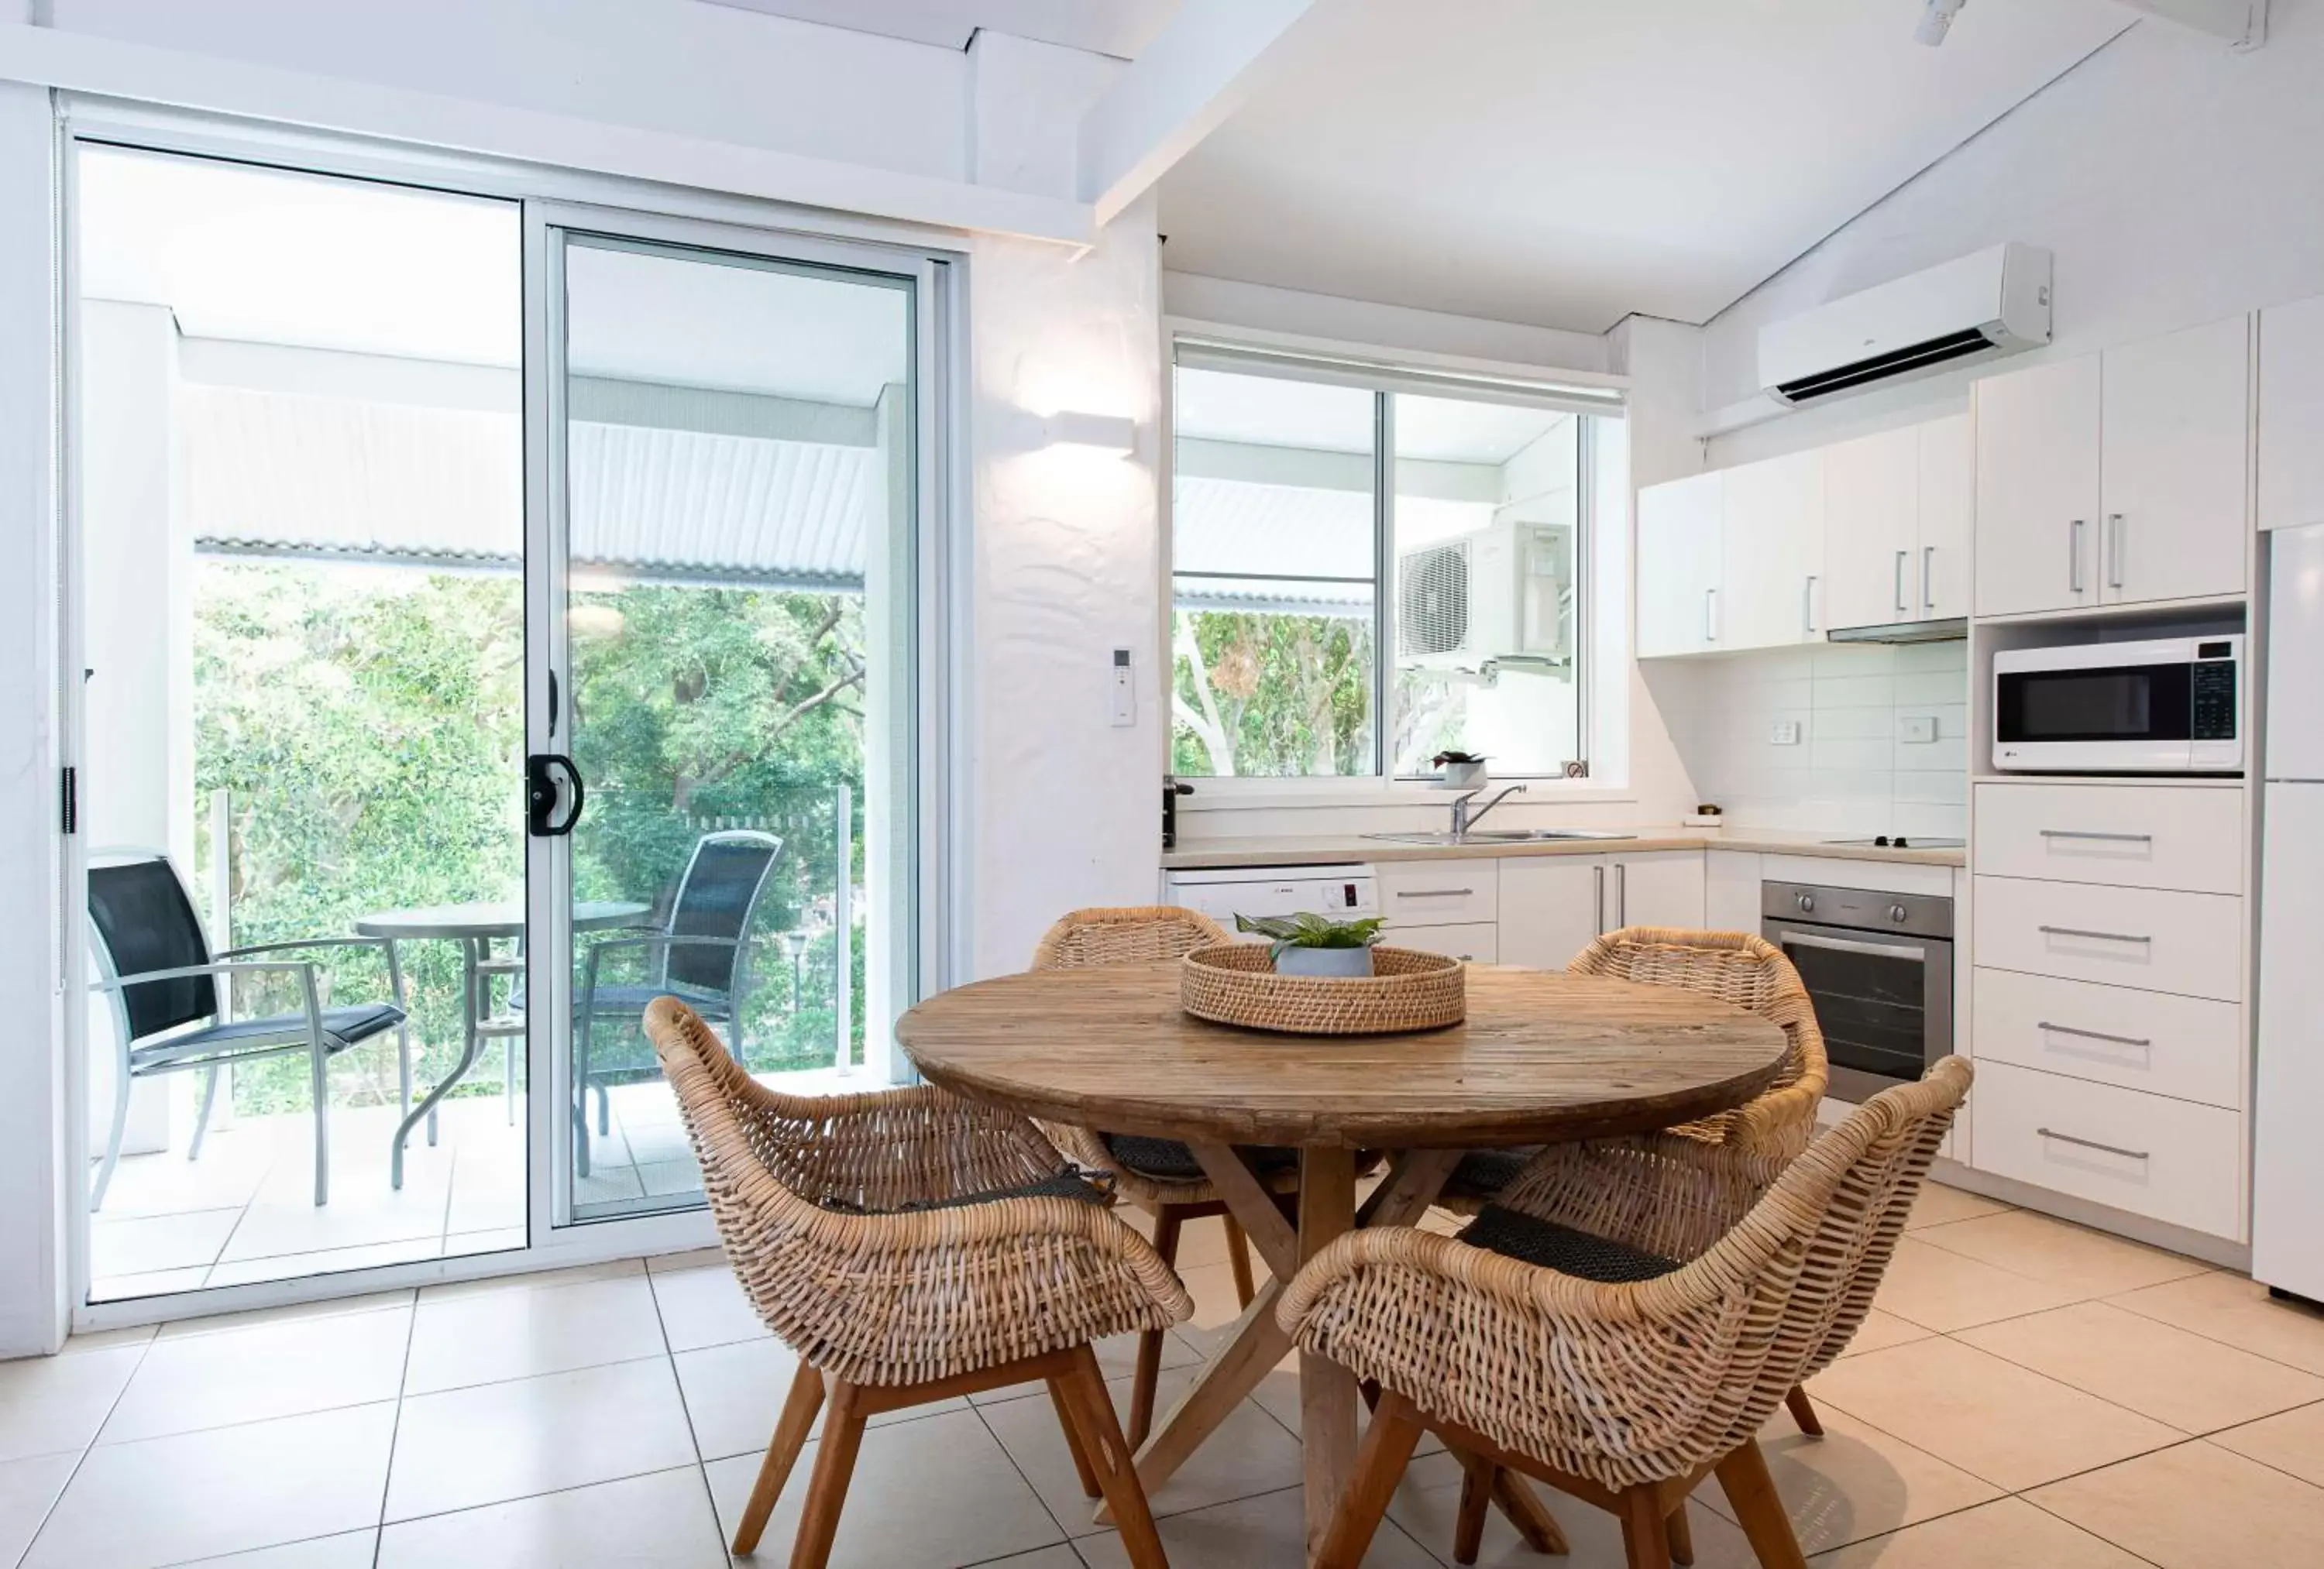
x,y
1330,849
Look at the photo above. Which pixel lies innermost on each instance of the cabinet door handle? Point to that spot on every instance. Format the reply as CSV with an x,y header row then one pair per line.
x,y
2094,1035
1435,892
1928,577
1621,897
1710,615
2113,532
1807,604
2102,936
1600,923
2094,1144
2086,833
1902,557
2074,557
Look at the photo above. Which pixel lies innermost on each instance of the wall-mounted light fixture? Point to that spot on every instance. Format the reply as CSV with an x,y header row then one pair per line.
x,y
1109,433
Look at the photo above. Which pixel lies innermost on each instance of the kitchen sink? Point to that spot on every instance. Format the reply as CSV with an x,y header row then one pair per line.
x,y
1501,836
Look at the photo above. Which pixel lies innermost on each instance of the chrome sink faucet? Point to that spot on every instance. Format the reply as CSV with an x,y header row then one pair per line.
x,y
1463,820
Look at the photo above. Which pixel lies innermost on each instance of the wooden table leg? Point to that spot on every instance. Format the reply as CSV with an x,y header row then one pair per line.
x,y
1327,1391
1257,1344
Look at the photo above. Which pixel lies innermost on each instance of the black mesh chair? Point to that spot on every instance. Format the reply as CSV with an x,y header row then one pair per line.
x,y
171,1014
700,956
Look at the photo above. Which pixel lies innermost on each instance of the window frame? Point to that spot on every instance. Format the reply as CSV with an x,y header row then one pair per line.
x,y
1384,374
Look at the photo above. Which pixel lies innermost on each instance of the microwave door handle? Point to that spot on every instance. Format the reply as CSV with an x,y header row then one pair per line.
x,y
1848,945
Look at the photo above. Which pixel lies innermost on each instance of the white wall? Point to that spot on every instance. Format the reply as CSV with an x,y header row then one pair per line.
x,y
2175,183
1065,808
717,72
32,1129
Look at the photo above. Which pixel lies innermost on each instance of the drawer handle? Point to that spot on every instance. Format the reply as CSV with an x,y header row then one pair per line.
x,y
2094,1034
1435,892
2084,833
2094,1144
2102,936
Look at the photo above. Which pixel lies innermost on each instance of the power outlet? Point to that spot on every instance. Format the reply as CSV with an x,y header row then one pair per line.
x,y
1783,733
1917,729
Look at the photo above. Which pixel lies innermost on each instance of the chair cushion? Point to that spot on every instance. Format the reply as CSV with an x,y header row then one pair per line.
x,y
1168,1160
1087,1189
1482,1173
353,1025
1558,1247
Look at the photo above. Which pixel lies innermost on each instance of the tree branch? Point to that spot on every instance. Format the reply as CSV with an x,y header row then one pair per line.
x,y
1208,727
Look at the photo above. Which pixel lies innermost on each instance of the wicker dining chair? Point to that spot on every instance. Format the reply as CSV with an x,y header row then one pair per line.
x,y
1160,1176
1600,1364
910,1247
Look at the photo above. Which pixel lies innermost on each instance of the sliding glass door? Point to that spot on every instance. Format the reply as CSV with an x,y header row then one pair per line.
x,y
731,515
495,615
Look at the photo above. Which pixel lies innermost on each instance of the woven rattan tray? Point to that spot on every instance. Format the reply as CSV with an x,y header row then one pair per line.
x,y
1235,983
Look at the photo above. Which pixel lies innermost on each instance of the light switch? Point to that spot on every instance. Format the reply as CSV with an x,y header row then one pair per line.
x,y
1125,692
1783,733
1919,728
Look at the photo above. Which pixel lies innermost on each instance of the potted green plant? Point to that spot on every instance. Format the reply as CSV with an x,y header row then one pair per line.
x,y
1310,944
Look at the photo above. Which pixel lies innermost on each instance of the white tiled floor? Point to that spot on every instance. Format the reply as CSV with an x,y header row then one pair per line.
x,y
2118,1408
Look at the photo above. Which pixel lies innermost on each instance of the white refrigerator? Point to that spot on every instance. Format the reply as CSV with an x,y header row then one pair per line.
x,y
2287,1152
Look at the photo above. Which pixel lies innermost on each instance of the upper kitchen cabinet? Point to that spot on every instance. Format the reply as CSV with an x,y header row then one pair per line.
x,y
1896,525
1771,553
1678,565
2292,414
2117,478
2037,488
2177,415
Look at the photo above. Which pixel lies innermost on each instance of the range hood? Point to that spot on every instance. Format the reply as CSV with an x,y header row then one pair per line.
x,y
1952,631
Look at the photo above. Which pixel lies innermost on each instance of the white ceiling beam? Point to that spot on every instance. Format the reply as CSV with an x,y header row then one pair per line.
x,y
1178,90
2242,22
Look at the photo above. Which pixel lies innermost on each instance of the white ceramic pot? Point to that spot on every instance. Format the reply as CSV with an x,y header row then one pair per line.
x,y
1340,963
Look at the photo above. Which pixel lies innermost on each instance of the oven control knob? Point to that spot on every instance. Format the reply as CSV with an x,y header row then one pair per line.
x,y
1806,902
1897,913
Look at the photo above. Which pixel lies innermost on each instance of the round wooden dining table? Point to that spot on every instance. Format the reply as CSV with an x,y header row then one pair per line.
x,y
1543,1058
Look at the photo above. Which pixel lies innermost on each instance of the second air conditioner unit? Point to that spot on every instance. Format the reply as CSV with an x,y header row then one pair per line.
x,y
1502,596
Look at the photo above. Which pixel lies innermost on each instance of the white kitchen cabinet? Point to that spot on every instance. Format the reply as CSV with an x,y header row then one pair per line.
x,y
1771,553
1947,513
1476,942
2117,477
1730,890
1549,908
2176,413
2037,488
1450,892
1871,508
2292,414
2171,1160
1654,888
1678,565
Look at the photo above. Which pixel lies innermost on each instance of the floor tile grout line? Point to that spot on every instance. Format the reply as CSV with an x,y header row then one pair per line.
x,y
1065,1532
2116,1301
144,1349
395,1430
685,1409
2212,1439
2317,1398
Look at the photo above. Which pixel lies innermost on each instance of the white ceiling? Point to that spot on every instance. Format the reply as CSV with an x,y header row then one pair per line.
x,y
1115,27
263,256
1568,164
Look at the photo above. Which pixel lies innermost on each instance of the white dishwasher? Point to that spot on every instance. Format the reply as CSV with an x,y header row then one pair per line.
x,y
1344,893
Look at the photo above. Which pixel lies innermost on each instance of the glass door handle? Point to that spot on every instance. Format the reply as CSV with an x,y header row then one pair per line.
x,y
540,772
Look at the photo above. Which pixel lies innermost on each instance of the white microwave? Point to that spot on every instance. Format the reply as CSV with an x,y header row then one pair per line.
x,y
2171,705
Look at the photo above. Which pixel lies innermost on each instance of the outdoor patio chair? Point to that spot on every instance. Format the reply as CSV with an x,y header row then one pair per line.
x,y
701,956
173,1015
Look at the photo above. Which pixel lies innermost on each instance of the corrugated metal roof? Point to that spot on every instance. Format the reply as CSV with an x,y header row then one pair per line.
x,y
286,474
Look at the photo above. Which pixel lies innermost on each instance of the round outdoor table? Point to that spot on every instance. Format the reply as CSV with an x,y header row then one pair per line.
x,y
1543,1058
475,926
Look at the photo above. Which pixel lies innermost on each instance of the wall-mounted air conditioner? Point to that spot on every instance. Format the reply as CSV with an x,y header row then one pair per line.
x,y
1979,307
1502,595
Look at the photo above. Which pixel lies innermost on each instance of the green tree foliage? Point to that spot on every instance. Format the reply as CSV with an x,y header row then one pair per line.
x,y
1267,694
369,723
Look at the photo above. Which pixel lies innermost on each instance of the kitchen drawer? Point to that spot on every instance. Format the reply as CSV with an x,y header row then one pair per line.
x,y
2172,1160
2127,836
2191,944
1478,941
2190,1047
1440,892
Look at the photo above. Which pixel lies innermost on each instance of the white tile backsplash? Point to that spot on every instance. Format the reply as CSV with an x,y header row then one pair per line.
x,y
1851,772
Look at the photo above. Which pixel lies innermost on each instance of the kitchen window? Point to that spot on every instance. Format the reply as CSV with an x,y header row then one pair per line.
x,y
1372,566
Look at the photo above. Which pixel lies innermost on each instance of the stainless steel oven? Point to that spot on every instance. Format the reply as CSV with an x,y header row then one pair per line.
x,y
1880,968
